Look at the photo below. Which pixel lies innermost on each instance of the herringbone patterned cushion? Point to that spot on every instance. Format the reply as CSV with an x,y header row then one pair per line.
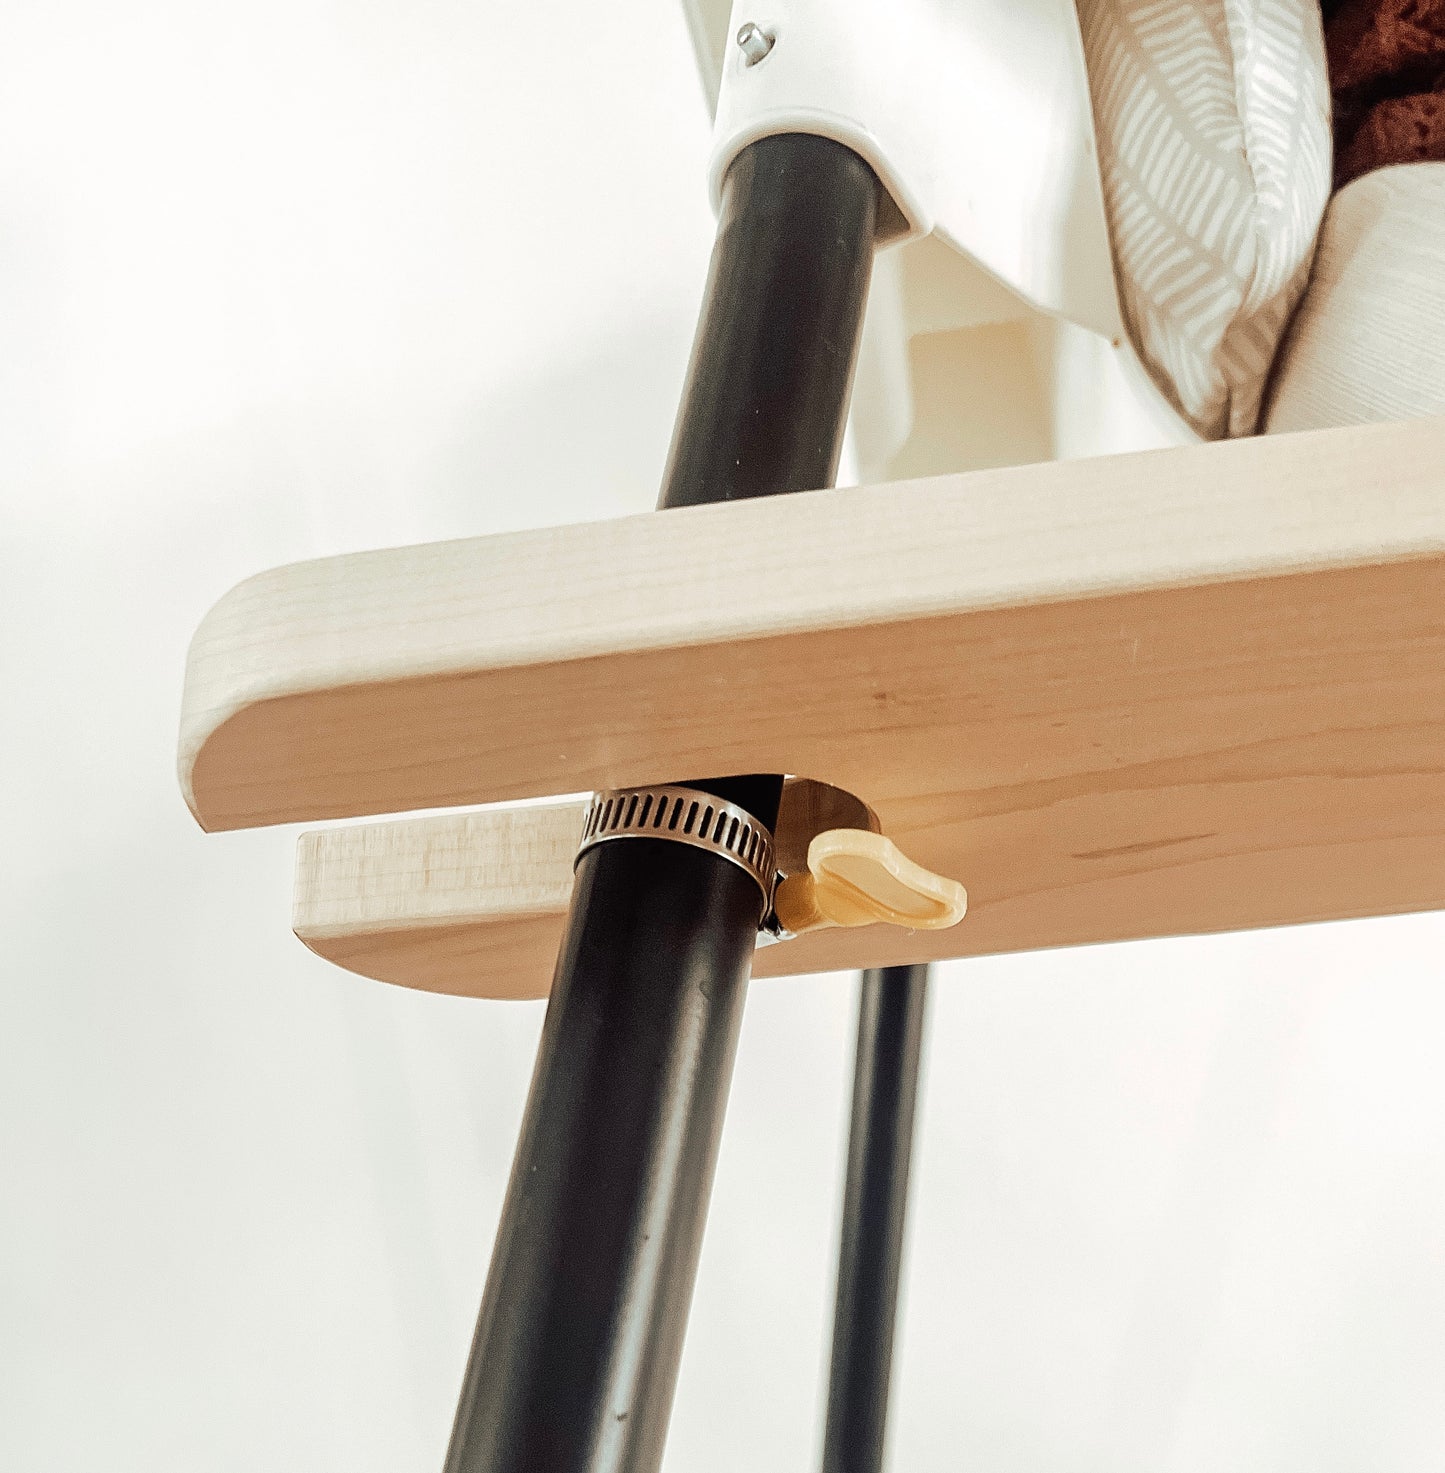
x,y
1213,123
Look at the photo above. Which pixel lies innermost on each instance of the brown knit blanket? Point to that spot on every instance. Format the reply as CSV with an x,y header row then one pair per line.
x,y
1387,73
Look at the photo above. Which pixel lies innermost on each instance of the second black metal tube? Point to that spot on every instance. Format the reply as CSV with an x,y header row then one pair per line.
x,y
891,1005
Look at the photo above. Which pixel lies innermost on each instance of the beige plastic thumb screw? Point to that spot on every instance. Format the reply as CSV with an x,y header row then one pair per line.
x,y
856,878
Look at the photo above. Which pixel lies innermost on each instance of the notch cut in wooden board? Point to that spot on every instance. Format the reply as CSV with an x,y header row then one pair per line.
x,y
932,645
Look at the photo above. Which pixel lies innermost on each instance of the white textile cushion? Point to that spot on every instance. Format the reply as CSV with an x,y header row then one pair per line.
x,y
1213,123
1368,341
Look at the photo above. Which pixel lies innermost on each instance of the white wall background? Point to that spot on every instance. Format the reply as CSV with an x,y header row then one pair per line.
x,y
298,277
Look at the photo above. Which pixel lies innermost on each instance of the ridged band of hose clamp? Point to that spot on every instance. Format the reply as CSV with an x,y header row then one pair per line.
x,y
683,816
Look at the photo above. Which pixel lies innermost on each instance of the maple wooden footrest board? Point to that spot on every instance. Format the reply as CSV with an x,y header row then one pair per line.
x,y
475,903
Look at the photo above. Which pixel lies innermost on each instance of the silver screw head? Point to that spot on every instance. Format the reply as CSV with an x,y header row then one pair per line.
x,y
754,43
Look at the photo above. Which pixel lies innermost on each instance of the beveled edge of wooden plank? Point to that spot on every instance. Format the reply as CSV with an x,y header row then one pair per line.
x,y
846,559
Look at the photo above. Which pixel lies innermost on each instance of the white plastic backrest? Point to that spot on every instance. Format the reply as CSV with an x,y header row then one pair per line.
x,y
974,113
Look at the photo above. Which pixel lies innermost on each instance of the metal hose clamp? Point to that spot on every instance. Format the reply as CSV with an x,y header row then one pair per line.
x,y
683,816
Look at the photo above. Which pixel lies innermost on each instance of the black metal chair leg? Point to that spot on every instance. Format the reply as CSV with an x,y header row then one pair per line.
x,y
577,1347
891,1003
